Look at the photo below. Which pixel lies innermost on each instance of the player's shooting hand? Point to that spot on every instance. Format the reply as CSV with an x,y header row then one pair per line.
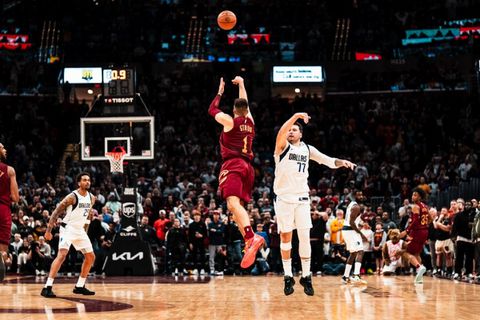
x,y
348,164
304,116
238,80
221,86
48,236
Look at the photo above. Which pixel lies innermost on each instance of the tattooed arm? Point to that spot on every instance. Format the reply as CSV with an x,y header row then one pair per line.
x,y
67,201
90,214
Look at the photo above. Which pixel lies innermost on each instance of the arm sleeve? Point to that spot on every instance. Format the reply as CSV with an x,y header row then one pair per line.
x,y
213,109
321,158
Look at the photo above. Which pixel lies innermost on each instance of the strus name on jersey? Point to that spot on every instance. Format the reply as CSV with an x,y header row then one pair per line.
x,y
297,157
246,128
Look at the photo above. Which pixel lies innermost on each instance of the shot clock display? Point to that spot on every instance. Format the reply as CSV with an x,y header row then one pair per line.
x,y
118,82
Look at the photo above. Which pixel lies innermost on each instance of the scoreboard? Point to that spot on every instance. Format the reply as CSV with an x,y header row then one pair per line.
x,y
118,86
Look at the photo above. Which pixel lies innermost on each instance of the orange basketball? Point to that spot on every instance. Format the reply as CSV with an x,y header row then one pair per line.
x,y
226,20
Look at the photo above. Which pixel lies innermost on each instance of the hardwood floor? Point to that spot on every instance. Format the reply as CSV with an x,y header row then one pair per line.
x,y
245,297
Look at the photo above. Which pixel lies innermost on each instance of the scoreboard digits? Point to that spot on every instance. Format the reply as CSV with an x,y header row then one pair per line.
x,y
118,82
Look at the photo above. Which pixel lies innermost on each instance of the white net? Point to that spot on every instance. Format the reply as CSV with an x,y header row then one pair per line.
x,y
116,160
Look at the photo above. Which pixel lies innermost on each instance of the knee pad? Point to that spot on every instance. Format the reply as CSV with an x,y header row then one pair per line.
x,y
285,246
304,247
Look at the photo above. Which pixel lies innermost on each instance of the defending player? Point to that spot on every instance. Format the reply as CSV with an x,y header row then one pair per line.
x,y
237,174
8,193
73,231
292,203
353,238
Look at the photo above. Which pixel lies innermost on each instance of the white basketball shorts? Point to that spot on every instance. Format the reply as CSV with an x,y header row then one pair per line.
x,y
292,215
353,240
78,238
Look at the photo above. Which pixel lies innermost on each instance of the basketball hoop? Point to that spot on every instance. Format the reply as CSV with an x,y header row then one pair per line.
x,y
115,158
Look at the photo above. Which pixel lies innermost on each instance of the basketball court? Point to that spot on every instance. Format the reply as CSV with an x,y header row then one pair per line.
x,y
233,297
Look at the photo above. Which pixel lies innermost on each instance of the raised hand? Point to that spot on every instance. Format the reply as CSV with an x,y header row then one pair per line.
x,y
221,86
304,116
238,80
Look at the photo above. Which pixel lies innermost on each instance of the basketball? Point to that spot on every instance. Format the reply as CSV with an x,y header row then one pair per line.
x,y
226,20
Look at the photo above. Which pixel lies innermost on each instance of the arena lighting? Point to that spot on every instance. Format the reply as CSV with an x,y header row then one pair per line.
x,y
90,91
297,90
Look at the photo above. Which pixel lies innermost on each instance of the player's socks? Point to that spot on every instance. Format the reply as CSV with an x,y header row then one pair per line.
x,y
358,266
306,267
248,232
49,282
348,268
81,282
287,267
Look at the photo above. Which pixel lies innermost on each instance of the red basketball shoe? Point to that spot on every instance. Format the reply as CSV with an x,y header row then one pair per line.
x,y
251,247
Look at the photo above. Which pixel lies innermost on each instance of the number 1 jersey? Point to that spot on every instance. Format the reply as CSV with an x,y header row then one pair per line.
x,y
237,143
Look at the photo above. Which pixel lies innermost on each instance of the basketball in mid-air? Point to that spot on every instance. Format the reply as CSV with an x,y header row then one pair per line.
x,y
226,20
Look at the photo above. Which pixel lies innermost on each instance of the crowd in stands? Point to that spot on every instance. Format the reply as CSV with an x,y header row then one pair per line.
x,y
399,142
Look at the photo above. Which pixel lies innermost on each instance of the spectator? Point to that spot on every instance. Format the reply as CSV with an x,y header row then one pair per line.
x,y
216,231
197,236
317,236
176,240
147,233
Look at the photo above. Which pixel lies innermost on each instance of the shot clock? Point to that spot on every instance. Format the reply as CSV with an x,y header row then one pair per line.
x,y
118,85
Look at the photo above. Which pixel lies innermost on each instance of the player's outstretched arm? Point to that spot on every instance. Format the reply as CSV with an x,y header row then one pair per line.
x,y
281,140
330,162
242,92
224,119
13,185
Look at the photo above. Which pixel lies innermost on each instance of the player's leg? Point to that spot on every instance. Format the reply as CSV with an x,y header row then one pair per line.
x,y
253,242
348,266
348,237
56,265
285,251
303,223
5,230
3,260
285,222
411,257
356,245
83,244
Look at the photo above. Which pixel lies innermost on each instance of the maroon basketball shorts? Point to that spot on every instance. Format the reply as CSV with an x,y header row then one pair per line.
x,y
415,246
5,224
236,179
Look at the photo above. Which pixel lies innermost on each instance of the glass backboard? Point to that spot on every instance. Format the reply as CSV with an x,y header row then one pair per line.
x,y
101,135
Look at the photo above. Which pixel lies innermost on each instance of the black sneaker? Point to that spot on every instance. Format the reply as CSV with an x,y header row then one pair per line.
x,y
48,293
83,290
306,282
3,267
345,280
289,283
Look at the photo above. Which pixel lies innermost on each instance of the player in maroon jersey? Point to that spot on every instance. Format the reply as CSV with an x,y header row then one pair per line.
x,y
8,193
237,174
417,232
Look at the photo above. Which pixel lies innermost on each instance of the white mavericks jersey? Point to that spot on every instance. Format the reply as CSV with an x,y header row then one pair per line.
x,y
349,212
77,215
291,171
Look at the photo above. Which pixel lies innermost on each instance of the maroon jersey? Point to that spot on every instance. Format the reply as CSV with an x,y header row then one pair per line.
x,y
4,185
237,143
419,221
